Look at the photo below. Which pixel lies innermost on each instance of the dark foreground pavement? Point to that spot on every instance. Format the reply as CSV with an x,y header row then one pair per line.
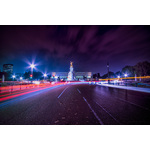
x,y
80,104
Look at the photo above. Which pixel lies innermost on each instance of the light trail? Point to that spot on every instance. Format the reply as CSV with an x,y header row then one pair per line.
x,y
27,92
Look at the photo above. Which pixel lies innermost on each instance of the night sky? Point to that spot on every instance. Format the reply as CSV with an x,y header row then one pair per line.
x,y
89,47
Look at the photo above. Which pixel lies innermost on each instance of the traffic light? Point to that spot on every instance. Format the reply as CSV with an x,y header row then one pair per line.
x,y
31,75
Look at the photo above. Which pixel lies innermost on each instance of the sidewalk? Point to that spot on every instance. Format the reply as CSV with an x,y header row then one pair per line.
x,y
146,90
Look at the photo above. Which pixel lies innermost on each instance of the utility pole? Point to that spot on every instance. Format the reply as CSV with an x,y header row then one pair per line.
x,y
108,71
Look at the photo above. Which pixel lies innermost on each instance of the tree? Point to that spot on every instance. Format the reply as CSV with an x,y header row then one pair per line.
x,y
111,75
36,75
98,75
142,68
128,70
118,73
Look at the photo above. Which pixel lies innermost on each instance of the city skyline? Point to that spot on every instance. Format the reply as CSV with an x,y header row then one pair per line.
x,y
89,47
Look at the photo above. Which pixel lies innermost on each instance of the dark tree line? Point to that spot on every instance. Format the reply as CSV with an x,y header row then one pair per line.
x,y
140,69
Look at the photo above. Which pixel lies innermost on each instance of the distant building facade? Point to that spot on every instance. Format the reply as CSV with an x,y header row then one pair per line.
x,y
8,68
72,75
77,75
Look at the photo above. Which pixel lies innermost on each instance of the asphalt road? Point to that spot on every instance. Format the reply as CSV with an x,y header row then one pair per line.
x,y
80,104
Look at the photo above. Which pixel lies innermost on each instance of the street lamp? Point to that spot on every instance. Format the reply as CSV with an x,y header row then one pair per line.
x,y
126,78
108,71
21,82
125,75
13,77
45,75
118,79
56,78
13,82
32,66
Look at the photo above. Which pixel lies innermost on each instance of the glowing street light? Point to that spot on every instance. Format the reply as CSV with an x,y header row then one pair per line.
x,y
45,75
21,82
13,76
126,79
118,79
56,77
32,66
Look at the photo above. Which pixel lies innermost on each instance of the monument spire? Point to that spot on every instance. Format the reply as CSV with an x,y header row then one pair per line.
x,y
70,74
71,64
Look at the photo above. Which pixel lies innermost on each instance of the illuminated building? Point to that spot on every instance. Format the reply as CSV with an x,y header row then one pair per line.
x,y
72,75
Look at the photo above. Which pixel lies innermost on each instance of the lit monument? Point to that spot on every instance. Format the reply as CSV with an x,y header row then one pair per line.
x,y
70,74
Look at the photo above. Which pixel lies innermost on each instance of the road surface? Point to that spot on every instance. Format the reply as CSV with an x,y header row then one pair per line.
x,y
80,104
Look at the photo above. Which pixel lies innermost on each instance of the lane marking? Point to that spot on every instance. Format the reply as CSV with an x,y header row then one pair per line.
x,y
108,113
133,104
78,91
62,92
100,121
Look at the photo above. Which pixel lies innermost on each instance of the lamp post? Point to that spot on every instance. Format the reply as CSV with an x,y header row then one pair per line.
x,y
45,75
118,79
21,82
126,78
56,78
108,71
13,82
32,66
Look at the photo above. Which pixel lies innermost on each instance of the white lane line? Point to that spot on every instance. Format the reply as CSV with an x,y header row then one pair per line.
x,y
100,121
133,104
62,92
78,91
108,112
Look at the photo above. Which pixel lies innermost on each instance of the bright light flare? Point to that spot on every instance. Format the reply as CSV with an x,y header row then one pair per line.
x,y
14,76
45,75
56,77
32,66
21,78
125,75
